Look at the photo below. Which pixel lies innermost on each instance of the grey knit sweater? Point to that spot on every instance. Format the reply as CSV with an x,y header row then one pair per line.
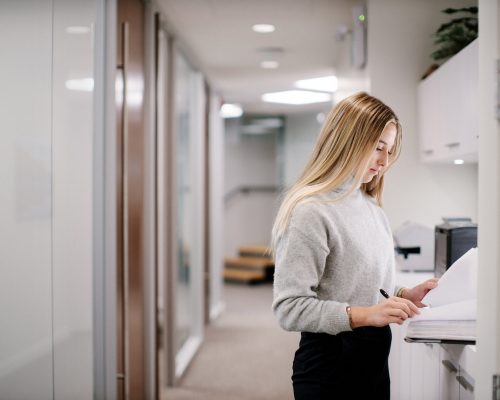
x,y
332,256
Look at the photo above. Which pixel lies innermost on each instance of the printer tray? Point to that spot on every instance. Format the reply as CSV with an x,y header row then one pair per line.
x,y
434,340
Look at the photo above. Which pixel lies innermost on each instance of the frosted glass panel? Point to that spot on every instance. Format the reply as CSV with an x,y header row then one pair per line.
x,y
73,99
188,93
46,167
25,198
183,134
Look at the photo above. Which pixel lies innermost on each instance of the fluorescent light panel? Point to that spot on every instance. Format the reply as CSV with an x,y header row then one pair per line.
x,y
231,111
296,97
458,162
263,28
321,84
270,64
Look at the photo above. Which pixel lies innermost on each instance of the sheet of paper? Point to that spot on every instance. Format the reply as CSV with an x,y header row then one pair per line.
x,y
458,283
460,311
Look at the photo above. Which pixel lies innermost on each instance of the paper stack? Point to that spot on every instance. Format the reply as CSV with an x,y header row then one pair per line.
x,y
451,315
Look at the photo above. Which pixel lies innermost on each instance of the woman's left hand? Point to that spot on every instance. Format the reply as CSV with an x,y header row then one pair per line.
x,y
417,293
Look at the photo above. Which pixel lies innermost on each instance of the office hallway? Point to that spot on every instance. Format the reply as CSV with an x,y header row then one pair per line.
x,y
245,355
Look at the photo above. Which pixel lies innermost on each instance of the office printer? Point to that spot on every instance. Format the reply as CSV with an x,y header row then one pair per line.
x,y
414,247
453,238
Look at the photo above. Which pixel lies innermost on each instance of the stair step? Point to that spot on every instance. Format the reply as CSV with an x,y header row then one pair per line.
x,y
255,251
251,263
244,275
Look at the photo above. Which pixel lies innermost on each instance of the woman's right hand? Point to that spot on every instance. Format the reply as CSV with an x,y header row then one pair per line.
x,y
393,310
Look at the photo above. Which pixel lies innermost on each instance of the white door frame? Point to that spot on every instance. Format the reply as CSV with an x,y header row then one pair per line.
x,y
488,347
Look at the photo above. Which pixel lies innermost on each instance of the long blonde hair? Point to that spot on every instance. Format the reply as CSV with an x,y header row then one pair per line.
x,y
348,137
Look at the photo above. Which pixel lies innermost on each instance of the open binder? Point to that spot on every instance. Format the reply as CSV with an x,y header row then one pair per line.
x,y
452,312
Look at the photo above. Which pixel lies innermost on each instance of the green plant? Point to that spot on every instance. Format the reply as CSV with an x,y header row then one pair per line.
x,y
453,36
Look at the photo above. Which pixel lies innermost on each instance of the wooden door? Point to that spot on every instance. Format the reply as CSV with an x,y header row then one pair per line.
x,y
131,383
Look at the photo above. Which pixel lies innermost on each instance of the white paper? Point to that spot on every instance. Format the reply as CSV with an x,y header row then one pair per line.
x,y
460,311
458,283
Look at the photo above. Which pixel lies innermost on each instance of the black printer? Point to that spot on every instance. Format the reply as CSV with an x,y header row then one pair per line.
x,y
453,239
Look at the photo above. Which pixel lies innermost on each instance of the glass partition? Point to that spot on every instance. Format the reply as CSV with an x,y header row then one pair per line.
x,y
188,93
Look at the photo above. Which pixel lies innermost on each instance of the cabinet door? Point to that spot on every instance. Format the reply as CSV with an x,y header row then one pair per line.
x,y
431,370
429,120
448,109
465,385
448,387
461,113
468,98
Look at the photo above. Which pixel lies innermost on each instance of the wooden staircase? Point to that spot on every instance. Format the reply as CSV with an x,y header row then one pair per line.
x,y
254,264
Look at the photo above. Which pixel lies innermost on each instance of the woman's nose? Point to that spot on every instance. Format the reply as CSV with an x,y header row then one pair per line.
x,y
383,159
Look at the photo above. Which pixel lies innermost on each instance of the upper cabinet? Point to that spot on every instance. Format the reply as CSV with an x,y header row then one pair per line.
x,y
448,109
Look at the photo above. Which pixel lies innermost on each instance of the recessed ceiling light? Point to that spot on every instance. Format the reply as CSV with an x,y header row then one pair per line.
x,y
458,162
231,111
296,97
320,117
269,64
263,28
322,84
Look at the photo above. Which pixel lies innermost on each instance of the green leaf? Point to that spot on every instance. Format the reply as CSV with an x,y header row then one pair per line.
x,y
472,10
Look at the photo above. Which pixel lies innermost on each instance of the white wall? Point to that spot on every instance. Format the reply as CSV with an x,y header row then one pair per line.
x,y
249,160
399,45
46,162
301,132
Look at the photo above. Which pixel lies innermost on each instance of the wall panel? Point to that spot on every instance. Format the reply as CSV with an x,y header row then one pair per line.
x,y
25,198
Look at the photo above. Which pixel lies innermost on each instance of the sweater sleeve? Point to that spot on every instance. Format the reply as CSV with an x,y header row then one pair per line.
x,y
300,262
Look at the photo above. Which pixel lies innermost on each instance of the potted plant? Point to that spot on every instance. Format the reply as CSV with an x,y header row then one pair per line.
x,y
453,36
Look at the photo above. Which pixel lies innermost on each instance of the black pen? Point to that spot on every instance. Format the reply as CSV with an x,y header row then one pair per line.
x,y
384,293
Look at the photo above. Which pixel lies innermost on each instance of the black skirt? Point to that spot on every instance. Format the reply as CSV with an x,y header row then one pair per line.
x,y
350,365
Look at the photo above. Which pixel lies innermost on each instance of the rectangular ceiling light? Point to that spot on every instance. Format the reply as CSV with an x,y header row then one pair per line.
x,y
322,84
296,97
231,111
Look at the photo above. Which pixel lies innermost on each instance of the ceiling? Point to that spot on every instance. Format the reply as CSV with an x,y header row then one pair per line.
x,y
217,36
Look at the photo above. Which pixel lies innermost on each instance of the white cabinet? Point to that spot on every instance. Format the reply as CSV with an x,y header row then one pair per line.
x,y
457,363
431,371
448,386
448,109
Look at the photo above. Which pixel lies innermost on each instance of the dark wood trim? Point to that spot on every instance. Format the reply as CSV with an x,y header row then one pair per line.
x,y
156,206
206,236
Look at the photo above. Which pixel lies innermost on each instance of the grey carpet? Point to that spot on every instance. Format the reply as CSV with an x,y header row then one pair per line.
x,y
244,356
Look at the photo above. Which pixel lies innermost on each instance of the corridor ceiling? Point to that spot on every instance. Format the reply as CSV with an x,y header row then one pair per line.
x,y
310,40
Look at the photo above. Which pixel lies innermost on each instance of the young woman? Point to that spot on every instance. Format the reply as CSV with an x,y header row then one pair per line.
x,y
334,252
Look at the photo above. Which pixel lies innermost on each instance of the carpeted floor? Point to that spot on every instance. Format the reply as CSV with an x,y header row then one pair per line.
x,y
245,354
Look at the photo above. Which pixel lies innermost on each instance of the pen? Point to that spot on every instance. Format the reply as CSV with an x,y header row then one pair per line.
x,y
384,293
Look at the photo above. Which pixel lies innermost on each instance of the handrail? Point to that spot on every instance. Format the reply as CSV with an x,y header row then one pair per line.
x,y
249,189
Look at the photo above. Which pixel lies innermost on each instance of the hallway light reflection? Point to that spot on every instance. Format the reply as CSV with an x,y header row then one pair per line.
x,y
83,84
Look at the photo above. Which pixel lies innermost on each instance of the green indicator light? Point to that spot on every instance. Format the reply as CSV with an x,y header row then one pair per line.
x,y
361,18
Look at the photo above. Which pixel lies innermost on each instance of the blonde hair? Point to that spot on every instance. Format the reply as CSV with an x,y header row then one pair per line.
x,y
347,140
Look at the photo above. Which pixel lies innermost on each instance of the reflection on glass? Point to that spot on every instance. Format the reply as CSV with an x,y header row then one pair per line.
x,y
184,97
